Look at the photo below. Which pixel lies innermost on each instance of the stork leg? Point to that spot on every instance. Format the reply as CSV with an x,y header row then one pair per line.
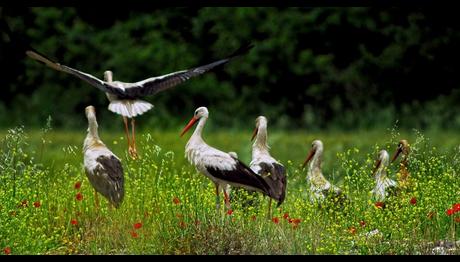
x,y
217,197
269,215
96,198
125,120
134,154
227,200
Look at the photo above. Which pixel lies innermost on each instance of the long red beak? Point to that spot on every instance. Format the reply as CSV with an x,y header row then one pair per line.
x,y
396,154
309,157
377,164
188,126
254,134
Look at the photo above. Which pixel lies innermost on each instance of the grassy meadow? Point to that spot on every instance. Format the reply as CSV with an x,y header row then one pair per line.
x,y
47,205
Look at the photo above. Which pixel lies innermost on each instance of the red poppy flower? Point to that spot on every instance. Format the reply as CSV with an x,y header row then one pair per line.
x,y
286,215
362,223
413,201
276,220
176,201
229,212
253,218
77,185
456,207
449,212
197,222
7,250
133,234
37,204
296,221
79,196
457,219
379,204
290,220
352,230
182,224
137,225
74,222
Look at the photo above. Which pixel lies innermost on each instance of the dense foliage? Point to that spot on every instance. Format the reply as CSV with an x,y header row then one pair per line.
x,y
311,67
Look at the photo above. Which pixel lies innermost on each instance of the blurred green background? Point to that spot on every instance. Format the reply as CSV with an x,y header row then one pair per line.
x,y
311,68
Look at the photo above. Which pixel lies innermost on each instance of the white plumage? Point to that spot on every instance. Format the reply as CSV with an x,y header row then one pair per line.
x,y
222,168
125,98
320,187
102,167
264,164
382,182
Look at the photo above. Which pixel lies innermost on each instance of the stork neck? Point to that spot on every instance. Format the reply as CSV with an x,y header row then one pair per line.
x,y
316,160
260,143
92,128
199,128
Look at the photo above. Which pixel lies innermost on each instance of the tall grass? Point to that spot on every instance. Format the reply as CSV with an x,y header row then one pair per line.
x,y
169,207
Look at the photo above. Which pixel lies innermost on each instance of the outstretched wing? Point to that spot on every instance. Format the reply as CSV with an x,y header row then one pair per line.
x,y
94,81
154,85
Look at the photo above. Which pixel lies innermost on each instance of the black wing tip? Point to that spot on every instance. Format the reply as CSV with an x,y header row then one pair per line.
x,y
242,50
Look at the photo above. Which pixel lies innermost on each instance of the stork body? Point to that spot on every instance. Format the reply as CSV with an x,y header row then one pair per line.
x,y
102,167
384,186
265,165
126,98
220,167
404,178
320,187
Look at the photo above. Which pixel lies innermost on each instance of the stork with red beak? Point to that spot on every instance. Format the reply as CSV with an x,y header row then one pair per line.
x,y
403,174
383,184
222,168
265,165
320,187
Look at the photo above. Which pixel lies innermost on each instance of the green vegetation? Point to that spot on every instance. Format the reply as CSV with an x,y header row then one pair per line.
x,y
169,207
314,68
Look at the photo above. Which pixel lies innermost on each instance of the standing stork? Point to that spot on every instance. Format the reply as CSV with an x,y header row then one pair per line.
x,y
103,168
125,98
220,167
320,187
403,174
265,165
384,186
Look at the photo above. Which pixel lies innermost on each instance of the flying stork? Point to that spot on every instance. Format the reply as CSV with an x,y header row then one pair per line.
x,y
126,98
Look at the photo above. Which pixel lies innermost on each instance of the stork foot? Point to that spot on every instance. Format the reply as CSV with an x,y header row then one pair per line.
x,y
133,153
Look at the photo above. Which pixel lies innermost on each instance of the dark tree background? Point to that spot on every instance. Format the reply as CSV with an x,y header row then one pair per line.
x,y
341,68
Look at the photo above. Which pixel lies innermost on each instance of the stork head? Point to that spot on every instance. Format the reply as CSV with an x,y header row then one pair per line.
x,y
382,161
108,76
316,146
200,112
261,122
403,147
90,112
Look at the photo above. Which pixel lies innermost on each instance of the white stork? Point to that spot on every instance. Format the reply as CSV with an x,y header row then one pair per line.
x,y
383,184
404,178
125,98
264,164
320,187
220,167
103,168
